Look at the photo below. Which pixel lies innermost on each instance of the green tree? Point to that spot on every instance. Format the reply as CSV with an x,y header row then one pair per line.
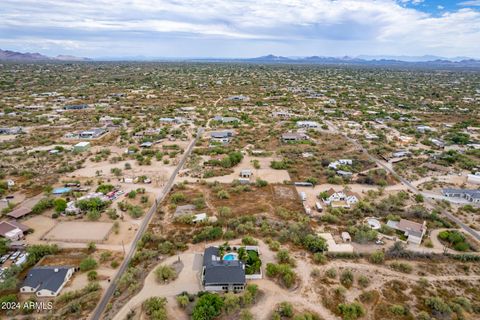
x,y
88,264
60,205
208,307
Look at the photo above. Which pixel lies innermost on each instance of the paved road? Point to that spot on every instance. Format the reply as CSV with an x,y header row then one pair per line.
x,y
404,181
97,313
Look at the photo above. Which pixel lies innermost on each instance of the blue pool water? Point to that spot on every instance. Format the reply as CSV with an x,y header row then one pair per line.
x,y
61,190
229,257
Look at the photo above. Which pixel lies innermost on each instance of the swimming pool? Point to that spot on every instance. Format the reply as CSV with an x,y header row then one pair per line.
x,y
230,257
61,190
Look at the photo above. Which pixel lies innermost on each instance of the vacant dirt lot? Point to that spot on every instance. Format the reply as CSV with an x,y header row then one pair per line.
x,y
79,231
40,225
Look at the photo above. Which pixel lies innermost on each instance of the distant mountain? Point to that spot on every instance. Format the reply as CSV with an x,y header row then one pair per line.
x,y
18,56
426,61
7,55
70,58
424,58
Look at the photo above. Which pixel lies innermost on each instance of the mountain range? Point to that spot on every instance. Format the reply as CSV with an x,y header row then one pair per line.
x,y
7,55
392,61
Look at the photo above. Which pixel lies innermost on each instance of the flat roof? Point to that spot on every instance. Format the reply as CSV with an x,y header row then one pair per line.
x,y
20,212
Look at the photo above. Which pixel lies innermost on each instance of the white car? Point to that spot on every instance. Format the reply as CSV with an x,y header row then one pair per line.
x,y
15,255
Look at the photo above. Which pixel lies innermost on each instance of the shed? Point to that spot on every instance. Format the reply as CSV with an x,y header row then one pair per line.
x,y
81,146
346,237
20,212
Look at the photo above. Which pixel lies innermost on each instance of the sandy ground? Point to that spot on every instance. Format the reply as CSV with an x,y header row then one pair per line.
x,y
79,231
40,225
7,137
187,280
80,280
312,193
265,172
126,232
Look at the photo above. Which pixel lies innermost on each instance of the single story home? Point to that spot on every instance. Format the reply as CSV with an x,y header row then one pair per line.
x,y
246,173
221,136
334,247
12,230
75,107
335,164
412,230
341,199
238,98
91,134
468,194
226,119
46,281
474,178
308,124
81,146
294,136
222,275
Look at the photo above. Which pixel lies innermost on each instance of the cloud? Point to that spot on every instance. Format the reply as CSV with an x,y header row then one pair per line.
x,y
314,26
473,3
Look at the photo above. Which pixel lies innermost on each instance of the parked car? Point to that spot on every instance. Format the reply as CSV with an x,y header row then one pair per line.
x,y
4,258
15,255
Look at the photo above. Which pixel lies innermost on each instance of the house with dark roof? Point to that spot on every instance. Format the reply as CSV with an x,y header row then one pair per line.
x,y
220,274
46,281
75,107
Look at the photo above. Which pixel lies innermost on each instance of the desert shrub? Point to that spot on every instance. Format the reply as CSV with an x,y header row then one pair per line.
x,y
165,273
378,257
283,256
283,272
319,258
92,275
285,309
88,264
363,281
105,188
135,212
249,241
351,311
401,267
183,300
261,183
346,278
398,310
177,197
223,194
438,306
155,308
331,273
42,205
38,251
208,233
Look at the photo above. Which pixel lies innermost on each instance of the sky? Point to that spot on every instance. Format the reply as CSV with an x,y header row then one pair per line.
x,y
241,28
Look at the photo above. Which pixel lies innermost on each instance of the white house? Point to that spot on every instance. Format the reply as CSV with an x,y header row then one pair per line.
x,y
340,199
335,164
46,281
308,124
